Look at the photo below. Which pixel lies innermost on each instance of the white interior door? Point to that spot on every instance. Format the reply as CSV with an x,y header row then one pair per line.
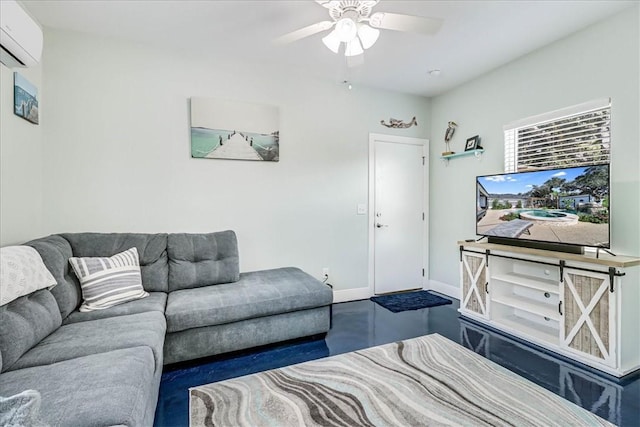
x,y
399,215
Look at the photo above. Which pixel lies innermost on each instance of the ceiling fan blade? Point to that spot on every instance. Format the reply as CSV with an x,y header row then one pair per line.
x,y
398,22
304,32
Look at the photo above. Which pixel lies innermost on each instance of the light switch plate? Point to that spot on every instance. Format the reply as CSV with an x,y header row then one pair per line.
x,y
362,209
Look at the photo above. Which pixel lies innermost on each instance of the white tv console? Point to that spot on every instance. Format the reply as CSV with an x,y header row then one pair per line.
x,y
579,306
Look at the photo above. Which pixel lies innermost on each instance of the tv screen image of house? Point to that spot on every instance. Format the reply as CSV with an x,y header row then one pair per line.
x,y
563,206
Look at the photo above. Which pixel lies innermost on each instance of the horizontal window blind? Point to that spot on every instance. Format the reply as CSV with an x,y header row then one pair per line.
x,y
574,136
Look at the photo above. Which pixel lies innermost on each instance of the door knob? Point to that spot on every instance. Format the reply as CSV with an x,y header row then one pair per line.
x,y
381,225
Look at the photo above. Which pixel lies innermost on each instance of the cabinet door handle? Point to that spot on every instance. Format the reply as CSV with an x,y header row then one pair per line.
x,y
612,274
486,287
560,308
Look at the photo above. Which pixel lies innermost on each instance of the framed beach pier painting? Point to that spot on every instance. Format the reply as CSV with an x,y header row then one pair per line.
x,y
222,129
25,99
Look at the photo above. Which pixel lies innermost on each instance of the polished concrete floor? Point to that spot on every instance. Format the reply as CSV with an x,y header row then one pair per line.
x,y
362,324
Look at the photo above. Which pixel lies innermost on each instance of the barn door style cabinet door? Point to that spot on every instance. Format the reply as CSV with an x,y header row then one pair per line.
x,y
581,306
473,274
589,312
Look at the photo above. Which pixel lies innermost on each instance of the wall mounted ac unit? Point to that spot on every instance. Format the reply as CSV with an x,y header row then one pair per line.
x,y
20,36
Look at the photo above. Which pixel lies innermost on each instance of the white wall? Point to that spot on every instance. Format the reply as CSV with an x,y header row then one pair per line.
x,y
118,156
600,61
20,163
112,150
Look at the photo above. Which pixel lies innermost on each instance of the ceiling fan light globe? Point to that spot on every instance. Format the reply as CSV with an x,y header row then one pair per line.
x,y
346,29
368,36
332,42
354,48
375,20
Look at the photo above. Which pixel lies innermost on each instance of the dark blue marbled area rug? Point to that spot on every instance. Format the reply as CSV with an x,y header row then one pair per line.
x,y
410,301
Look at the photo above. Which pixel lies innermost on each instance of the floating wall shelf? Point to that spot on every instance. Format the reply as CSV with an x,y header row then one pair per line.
x,y
477,153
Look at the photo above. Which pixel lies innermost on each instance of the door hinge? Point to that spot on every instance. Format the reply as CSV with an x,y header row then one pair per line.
x,y
423,216
423,272
422,160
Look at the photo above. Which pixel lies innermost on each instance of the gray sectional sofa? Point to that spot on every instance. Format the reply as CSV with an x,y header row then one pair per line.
x,y
103,368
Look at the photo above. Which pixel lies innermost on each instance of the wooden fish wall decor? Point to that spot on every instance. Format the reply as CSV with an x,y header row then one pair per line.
x,y
399,124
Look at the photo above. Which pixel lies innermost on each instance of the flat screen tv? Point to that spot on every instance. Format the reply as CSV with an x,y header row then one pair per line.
x,y
562,209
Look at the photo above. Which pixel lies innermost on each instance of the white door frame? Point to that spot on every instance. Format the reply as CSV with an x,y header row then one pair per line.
x,y
394,139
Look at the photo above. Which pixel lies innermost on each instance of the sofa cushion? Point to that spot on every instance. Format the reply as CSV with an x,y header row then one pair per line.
x,y
55,252
256,294
98,336
156,301
152,249
109,281
25,322
202,259
103,389
22,272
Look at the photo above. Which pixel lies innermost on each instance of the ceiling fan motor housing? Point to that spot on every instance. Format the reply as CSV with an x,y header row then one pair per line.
x,y
354,9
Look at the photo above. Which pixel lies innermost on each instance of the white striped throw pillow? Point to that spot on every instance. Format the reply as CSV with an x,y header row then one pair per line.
x,y
106,282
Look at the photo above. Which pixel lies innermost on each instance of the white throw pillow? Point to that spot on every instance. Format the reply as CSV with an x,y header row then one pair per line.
x,y
22,272
106,282
22,409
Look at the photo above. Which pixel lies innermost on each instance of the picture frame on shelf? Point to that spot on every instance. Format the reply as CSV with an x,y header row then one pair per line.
x,y
473,143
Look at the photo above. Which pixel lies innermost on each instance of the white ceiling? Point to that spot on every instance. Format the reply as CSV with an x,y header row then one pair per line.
x,y
476,36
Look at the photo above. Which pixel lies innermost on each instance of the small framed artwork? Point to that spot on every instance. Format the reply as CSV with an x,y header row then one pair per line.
x,y
473,143
25,99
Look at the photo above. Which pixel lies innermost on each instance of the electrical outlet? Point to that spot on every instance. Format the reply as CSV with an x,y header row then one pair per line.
x,y
325,272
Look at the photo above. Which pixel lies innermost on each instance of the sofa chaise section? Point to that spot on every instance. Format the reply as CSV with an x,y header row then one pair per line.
x,y
261,308
256,294
213,309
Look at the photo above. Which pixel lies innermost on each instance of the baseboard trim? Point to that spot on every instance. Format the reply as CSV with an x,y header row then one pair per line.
x,y
444,288
354,294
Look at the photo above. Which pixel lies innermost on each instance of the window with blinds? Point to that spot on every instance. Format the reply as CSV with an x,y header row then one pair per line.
x,y
574,136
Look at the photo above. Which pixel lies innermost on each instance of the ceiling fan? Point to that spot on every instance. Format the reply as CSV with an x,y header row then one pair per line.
x,y
357,27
